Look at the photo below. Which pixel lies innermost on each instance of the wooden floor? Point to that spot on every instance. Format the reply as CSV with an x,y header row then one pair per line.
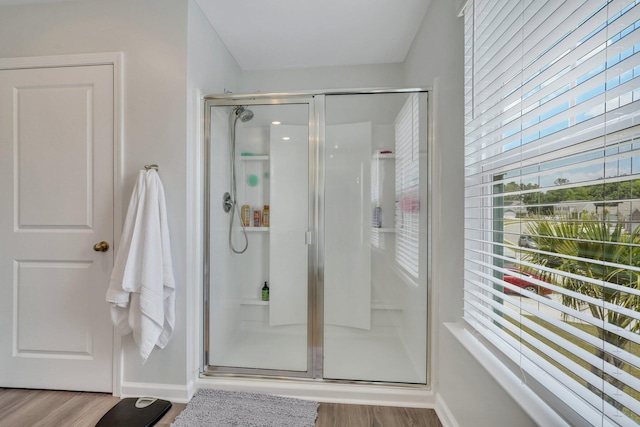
x,y
46,408
340,415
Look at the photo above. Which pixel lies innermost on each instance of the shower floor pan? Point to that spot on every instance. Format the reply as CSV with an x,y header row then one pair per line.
x,y
349,355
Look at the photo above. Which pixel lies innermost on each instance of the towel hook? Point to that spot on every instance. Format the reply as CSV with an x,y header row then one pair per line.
x,y
153,166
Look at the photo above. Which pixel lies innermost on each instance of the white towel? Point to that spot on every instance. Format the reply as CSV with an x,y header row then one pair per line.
x,y
142,287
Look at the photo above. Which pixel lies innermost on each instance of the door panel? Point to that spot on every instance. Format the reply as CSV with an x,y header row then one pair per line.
x,y
41,289
56,202
53,134
247,333
375,222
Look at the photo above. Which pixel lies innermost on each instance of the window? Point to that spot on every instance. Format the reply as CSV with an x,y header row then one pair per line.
x,y
552,198
407,136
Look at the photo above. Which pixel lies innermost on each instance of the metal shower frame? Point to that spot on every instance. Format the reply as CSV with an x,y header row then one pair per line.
x,y
315,321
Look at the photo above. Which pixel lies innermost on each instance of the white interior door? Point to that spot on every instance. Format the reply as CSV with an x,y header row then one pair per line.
x,y
56,202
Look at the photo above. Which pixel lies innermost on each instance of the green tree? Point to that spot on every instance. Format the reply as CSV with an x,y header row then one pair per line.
x,y
592,249
512,192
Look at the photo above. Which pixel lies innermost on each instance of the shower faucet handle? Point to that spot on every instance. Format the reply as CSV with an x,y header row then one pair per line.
x,y
227,203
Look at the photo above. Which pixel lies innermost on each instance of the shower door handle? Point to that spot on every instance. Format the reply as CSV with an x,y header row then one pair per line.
x,y
308,237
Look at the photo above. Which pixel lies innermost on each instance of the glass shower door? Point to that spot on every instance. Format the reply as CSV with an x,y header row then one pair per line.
x,y
375,237
252,329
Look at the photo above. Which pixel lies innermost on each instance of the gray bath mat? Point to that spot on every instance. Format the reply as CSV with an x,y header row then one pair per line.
x,y
221,408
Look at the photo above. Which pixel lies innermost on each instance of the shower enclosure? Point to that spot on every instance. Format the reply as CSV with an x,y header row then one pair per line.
x,y
323,199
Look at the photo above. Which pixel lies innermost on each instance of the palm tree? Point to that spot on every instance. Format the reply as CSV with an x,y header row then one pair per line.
x,y
593,249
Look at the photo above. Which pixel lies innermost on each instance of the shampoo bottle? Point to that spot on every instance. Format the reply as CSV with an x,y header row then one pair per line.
x,y
246,215
265,292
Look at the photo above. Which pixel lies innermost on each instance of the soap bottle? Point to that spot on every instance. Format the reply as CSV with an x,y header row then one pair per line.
x,y
265,292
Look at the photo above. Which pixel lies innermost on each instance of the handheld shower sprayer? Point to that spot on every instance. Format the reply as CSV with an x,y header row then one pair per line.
x,y
229,200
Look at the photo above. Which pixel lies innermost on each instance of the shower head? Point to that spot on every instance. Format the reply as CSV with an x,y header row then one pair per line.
x,y
244,114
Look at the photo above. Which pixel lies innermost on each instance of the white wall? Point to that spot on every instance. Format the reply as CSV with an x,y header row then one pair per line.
x,y
299,79
436,58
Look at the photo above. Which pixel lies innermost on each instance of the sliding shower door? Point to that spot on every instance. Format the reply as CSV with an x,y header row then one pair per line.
x,y
258,238
343,249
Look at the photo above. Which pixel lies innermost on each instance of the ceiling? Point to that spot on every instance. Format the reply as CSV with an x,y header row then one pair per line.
x,y
273,34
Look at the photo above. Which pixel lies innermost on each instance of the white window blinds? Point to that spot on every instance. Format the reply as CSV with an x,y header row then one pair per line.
x,y
407,138
552,197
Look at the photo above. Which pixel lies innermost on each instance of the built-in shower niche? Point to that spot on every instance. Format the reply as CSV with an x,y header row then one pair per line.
x,y
253,165
251,268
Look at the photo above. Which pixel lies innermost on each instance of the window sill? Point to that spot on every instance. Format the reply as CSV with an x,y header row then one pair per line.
x,y
529,401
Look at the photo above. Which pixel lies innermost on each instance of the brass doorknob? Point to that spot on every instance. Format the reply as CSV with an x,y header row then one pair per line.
x,y
101,247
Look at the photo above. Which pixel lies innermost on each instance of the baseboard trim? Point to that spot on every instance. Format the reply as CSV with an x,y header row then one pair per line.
x,y
360,394
444,413
171,392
